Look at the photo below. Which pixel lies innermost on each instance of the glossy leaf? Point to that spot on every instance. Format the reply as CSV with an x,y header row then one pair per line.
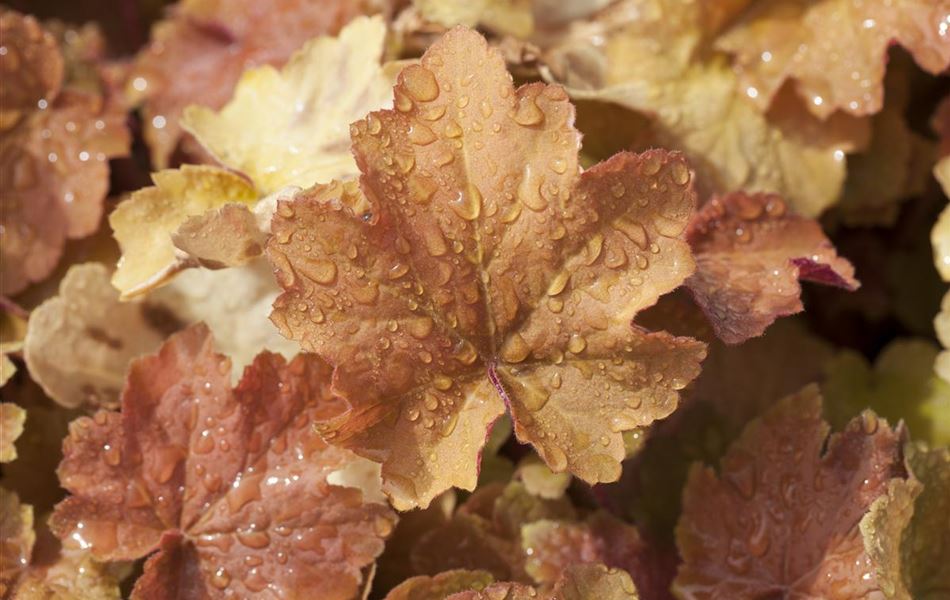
x,y
465,281
228,485
835,51
781,517
750,253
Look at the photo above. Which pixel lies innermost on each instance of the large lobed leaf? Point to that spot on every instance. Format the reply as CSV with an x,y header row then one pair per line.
x,y
474,268
782,517
228,485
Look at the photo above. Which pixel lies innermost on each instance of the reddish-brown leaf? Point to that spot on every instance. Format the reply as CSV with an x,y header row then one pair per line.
x,y
750,253
198,55
781,519
834,50
31,66
229,485
476,268
54,175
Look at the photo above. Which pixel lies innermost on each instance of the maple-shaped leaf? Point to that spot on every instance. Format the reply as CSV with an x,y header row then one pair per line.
x,y
474,268
290,127
16,538
79,343
901,384
197,56
782,516
834,50
689,92
12,418
228,485
32,66
750,252
907,532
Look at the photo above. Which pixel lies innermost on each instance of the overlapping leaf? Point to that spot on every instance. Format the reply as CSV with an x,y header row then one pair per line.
x,y
144,224
907,532
782,516
287,128
900,385
11,426
54,173
197,56
234,304
32,67
691,93
474,268
834,50
750,253
16,538
79,343
229,486
291,127
580,582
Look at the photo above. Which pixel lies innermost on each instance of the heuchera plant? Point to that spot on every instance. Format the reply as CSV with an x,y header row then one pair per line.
x,y
346,299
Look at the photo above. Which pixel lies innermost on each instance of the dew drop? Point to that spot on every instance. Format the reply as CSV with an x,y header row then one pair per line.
x,y
528,113
420,83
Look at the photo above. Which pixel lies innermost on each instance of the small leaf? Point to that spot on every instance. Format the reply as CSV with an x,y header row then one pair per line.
x,y
16,538
79,343
438,587
12,418
750,253
143,224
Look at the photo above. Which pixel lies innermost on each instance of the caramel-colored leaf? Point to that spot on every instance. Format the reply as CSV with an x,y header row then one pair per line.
x,y
894,166
907,531
229,485
144,224
782,516
73,576
691,94
79,343
197,56
438,587
477,268
901,384
16,538
942,328
834,50
540,480
290,127
750,253
552,547
234,304
31,65
580,582
12,418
